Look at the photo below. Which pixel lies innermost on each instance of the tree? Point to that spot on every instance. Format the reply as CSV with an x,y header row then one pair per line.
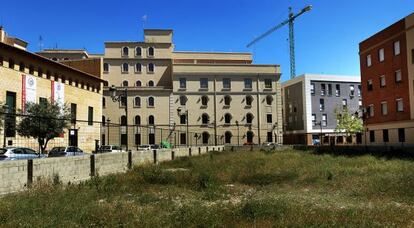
x,y
348,123
44,122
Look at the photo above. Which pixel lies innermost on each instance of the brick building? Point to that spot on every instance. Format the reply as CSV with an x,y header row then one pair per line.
x,y
387,77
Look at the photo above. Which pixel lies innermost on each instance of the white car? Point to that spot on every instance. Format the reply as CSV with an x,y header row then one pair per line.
x,y
144,147
17,153
110,149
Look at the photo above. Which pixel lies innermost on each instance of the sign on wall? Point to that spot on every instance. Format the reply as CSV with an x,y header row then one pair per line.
x,y
58,92
28,90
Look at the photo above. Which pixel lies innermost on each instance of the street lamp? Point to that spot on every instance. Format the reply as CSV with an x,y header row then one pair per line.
x,y
238,133
119,98
108,122
179,111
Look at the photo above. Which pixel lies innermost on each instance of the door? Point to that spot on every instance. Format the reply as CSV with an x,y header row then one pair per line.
x,y
151,138
249,137
10,120
73,137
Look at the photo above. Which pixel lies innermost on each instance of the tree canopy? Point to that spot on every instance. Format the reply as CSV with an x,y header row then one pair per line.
x,y
347,122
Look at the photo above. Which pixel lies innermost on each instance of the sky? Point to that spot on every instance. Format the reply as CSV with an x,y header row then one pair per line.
x,y
326,38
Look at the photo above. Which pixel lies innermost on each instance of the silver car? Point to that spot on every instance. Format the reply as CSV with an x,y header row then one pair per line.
x,y
144,147
110,149
18,153
65,151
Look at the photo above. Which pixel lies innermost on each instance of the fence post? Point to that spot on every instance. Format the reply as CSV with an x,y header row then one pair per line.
x,y
92,157
189,151
199,150
129,159
207,149
29,172
172,154
155,156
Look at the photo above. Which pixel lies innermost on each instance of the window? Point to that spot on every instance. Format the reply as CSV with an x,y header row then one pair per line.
x,y
312,88
359,90
398,76
125,67
205,118
227,118
382,81
269,100
151,83
40,72
183,119
227,100
151,51
138,68
10,120
123,120
360,104
337,90
369,85
138,83
397,48
31,68
369,62
137,139
125,83
138,51
73,113
183,100
205,136
401,135
268,83
329,89
203,83
106,67
90,115
372,136
204,100
385,136
352,89
183,138
384,108
412,56
137,120
103,102
344,103
249,118
269,118
183,83
248,83
400,105
323,89
381,56
226,83
11,63
137,102
371,110
151,120
324,120
151,67
21,67
249,100
321,104
125,51
227,137
151,102
313,120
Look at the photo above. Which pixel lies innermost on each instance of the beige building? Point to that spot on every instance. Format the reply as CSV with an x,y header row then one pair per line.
x,y
228,99
28,77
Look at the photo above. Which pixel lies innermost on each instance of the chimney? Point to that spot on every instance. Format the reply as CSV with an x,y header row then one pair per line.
x,y
2,34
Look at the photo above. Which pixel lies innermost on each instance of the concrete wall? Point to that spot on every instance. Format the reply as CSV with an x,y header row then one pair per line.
x,y
16,176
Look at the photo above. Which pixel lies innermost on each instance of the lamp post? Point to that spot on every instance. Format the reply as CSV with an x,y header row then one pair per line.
x,y
179,111
118,98
6,108
238,133
108,122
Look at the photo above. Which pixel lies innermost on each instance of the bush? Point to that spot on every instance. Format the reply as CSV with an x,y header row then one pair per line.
x,y
156,175
256,209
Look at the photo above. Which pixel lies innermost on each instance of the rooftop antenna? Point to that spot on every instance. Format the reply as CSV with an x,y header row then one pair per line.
x,y
40,43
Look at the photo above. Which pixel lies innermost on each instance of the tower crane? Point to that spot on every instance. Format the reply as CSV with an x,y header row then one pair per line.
x,y
289,21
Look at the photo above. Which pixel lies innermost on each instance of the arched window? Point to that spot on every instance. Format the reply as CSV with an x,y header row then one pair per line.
x,y
137,102
138,51
151,120
249,118
151,67
125,51
123,121
138,83
227,118
151,83
103,102
125,83
204,100
150,51
138,67
137,120
183,100
227,137
227,100
103,121
249,100
11,63
125,67
21,67
205,118
269,100
205,137
151,102
106,67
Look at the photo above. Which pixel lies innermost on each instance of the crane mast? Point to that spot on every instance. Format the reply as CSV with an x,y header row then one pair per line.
x,y
289,21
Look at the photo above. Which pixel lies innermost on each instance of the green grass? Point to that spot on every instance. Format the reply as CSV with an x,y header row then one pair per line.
x,y
230,189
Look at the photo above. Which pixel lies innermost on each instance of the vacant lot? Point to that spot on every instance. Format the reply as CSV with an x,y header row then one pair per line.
x,y
232,189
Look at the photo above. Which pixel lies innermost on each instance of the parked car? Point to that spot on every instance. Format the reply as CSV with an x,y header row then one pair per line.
x,y
143,147
110,149
155,147
17,153
65,151
316,142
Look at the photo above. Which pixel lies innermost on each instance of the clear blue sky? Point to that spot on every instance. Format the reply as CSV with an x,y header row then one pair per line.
x,y
326,38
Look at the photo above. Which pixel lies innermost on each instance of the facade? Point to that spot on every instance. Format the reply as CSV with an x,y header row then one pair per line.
x,y
228,99
387,75
309,104
27,77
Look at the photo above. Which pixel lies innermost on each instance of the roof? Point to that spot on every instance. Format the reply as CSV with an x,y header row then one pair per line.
x,y
213,52
322,77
